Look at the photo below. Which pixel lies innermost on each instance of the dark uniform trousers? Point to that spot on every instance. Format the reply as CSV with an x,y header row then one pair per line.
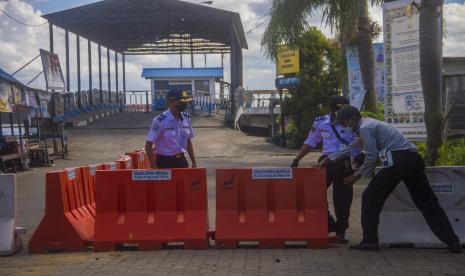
x,y
410,168
342,194
171,162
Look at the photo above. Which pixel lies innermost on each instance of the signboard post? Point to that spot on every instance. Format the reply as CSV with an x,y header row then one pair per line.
x,y
404,102
287,65
288,61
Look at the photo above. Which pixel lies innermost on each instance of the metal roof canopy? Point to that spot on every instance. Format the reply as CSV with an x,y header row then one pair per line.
x,y
154,26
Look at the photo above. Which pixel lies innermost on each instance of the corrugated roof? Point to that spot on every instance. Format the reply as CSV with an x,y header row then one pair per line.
x,y
154,26
182,72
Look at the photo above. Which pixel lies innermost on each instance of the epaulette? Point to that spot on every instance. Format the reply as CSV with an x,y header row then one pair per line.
x,y
160,117
319,118
186,114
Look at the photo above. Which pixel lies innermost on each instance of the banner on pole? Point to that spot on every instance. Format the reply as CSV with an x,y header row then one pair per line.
x,y
404,104
52,71
5,105
356,90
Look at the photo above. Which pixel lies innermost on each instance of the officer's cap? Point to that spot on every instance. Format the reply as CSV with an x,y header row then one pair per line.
x,y
346,113
179,95
337,102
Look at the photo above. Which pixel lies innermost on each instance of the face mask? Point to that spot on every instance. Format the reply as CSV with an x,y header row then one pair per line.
x,y
181,107
349,129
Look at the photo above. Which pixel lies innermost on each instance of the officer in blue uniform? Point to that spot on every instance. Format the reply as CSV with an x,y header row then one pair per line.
x,y
171,133
334,139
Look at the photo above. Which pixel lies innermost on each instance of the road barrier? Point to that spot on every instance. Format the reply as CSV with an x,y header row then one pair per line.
x,y
87,181
401,223
125,162
113,206
271,206
68,223
10,239
139,159
111,166
148,209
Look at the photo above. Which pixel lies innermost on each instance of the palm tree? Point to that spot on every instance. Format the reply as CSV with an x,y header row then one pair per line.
x,y
431,73
348,18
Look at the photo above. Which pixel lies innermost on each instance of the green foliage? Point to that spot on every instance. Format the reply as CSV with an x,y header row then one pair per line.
x,y
378,116
421,147
321,79
451,153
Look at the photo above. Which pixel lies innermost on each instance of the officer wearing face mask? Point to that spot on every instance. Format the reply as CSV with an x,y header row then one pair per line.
x,y
334,139
401,162
171,133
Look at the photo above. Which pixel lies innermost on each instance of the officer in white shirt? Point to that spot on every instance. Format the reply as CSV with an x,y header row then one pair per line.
x,y
171,134
401,162
334,139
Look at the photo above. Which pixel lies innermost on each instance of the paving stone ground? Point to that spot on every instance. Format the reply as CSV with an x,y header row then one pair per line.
x,y
216,147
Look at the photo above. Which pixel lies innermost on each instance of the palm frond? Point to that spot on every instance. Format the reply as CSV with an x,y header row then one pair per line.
x,y
288,21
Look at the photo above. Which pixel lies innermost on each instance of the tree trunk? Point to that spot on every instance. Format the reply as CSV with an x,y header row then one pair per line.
x,y
345,75
366,57
431,74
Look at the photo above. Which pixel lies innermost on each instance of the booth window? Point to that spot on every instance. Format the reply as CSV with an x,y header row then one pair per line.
x,y
202,86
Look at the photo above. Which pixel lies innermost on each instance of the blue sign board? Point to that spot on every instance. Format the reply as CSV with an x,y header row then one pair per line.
x,y
287,82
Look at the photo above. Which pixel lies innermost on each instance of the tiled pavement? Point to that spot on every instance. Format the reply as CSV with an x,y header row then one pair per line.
x,y
216,147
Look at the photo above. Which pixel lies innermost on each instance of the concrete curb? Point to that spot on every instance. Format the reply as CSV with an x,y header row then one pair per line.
x,y
94,118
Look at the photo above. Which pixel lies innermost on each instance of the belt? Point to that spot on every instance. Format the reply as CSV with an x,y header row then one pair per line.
x,y
177,156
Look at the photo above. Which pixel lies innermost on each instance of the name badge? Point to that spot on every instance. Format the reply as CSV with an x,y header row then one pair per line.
x,y
342,146
386,158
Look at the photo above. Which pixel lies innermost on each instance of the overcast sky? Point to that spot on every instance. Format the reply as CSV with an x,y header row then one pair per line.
x,y
19,44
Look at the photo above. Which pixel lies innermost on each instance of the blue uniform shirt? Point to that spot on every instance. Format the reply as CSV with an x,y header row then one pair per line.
x,y
170,135
322,131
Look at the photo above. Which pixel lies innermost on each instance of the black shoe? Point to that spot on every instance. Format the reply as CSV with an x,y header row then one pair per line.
x,y
331,224
455,248
341,238
365,246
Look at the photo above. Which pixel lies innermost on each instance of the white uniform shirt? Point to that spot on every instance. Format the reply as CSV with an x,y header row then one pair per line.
x,y
322,131
169,134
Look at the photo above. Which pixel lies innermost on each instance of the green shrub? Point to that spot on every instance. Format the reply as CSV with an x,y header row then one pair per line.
x,y
451,153
421,147
377,116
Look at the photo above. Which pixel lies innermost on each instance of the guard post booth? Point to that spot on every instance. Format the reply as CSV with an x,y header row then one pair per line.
x,y
199,81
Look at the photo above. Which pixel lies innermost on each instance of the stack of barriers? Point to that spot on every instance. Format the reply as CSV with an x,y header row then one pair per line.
x,y
124,204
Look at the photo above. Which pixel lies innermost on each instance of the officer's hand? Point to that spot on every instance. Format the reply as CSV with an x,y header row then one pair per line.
x,y
194,165
325,162
358,160
350,180
295,163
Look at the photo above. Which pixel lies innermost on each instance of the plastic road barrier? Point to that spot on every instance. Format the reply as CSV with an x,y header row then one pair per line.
x,y
151,208
86,180
111,166
139,159
401,223
125,162
271,206
10,239
68,223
